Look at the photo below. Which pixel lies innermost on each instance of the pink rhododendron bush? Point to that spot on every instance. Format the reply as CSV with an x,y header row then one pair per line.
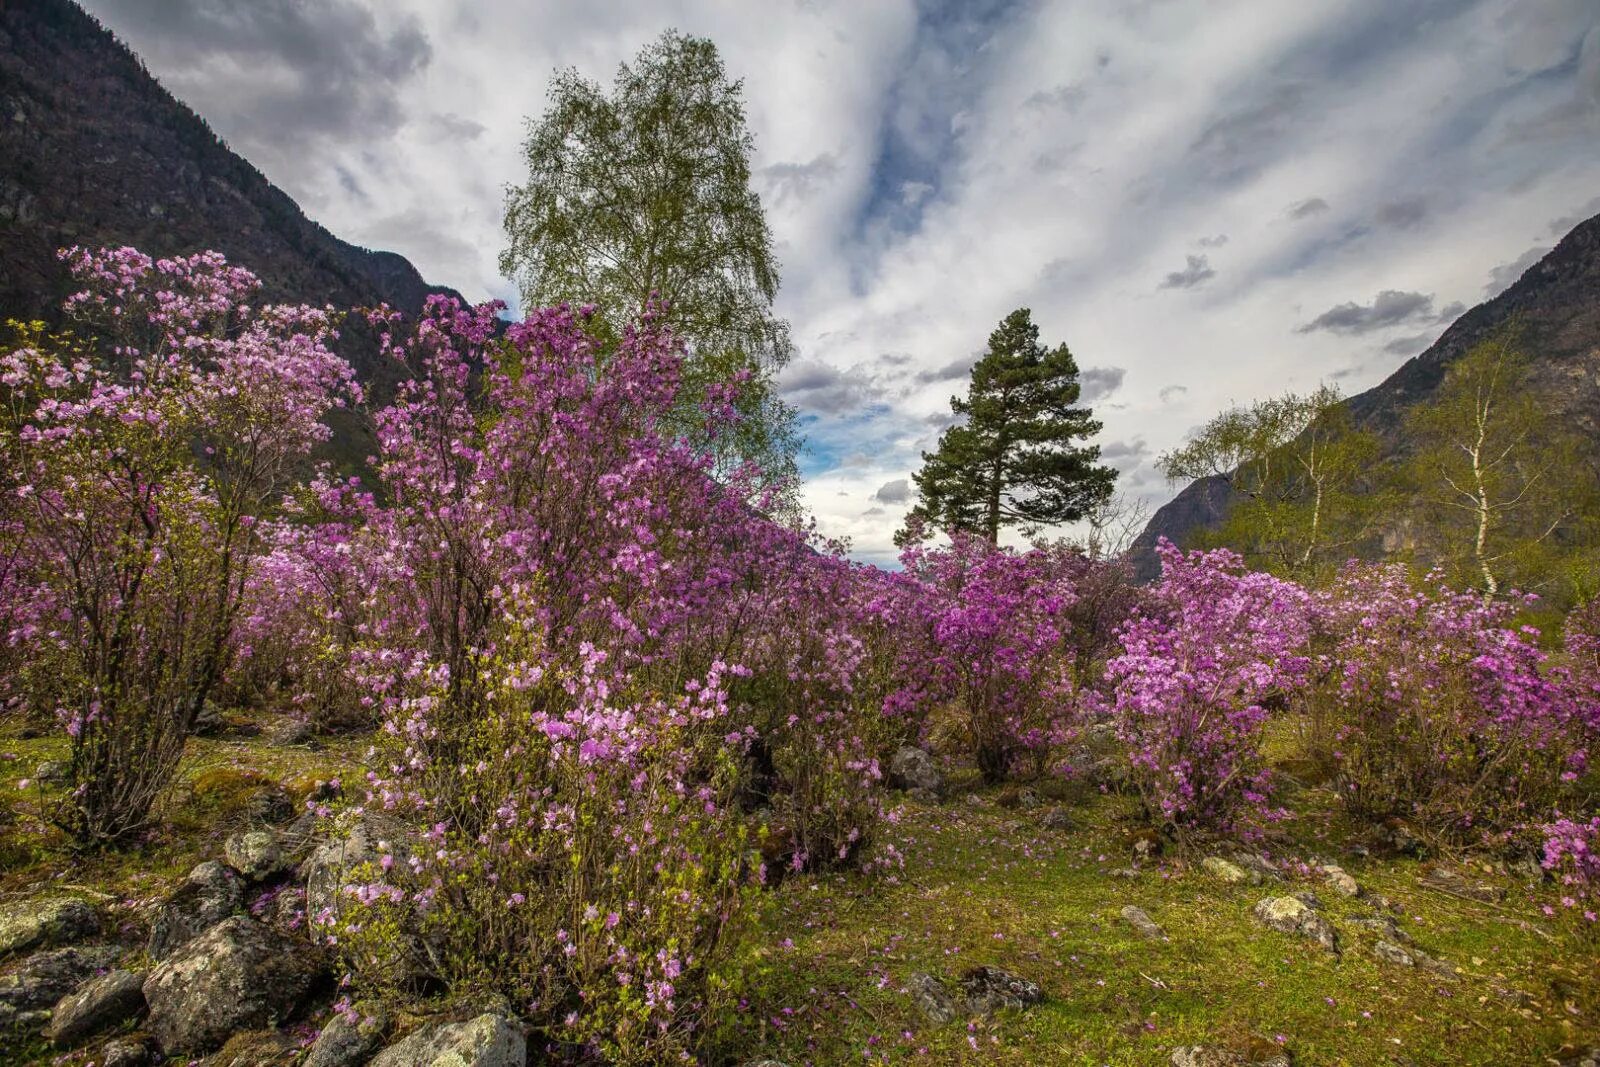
x,y
610,698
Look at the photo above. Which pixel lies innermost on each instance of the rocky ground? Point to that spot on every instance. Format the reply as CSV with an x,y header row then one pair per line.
x,y
1026,927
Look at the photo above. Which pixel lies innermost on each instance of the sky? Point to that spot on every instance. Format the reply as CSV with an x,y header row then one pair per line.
x,y
1208,201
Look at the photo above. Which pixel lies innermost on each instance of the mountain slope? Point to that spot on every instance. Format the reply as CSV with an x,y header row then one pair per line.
x,y
93,151
1557,303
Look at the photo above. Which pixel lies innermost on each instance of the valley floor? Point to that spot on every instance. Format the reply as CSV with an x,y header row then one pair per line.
x,y
1036,886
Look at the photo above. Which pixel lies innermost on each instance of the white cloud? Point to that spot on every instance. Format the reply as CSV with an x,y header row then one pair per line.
x,y
924,176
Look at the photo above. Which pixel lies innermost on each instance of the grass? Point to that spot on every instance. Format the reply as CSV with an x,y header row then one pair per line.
x,y
823,971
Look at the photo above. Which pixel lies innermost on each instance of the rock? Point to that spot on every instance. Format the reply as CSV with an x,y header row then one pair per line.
x,y
1214,1056
1591,1058
256,854
1389,952
53,771
46,977
1517,998
1252,861
1395,837
128,1052
1146,845
1231,873
1443,968
238,975
1309,899
490,1040
1291,915
269,807
1384,927
289,731
988,989
1059,820
98,1004
921,796
1140,921
327,869
41,923
1125,872
932,998
913,768
256,1048
209,894
1027,799
348,1039
1341,882
1451,881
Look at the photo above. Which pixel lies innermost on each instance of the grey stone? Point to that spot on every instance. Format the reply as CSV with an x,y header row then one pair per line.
x,y
1291,915
53,771
209,894
490,1040
238,975
98,1004
1434,965
46,977
348,1039
1258,863
988,989
1384,927
1231,873
1340,881
1213,1056
127,1052
1140,921
329,868
913,768
256,854
1389,952
289,731
1589,1058
42,923
932,998
1059,820
1451,881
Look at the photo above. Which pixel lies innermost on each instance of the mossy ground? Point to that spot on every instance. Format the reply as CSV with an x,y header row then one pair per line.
x,y
827,957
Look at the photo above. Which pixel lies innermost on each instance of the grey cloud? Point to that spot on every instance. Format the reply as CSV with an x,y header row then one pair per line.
x,y
1578,116
872,513
1197,271
271,72
1214,242
1306,208
942,420
816,386
1562,226
1236,144
1452,311
895,359
797,181
1389,308
1171,392
1100,382
1061,98
954,370
1505,275
1409,346
1135,450
455,127
895,492
1402,214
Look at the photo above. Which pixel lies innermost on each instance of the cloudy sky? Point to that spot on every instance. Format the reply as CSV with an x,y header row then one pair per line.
x,y
1208,200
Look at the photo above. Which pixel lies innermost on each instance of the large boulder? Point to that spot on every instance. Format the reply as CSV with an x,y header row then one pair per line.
x,y
41,923
1293,915
348,1039
46,977
988,989
490,1040
334,863
1140,920
209,894
238,975
256,854
97,1005
911,768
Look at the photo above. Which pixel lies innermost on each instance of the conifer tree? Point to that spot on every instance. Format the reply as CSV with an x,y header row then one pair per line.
x,y
1018,457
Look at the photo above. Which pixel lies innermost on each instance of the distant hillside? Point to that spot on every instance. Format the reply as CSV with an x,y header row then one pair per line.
x,y
93,151
1557,301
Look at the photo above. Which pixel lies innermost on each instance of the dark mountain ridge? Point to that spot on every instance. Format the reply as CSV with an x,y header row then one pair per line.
x,y
1556,303
94,152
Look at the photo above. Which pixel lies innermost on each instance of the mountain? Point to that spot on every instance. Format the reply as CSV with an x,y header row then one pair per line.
x,y
1557,304
93,151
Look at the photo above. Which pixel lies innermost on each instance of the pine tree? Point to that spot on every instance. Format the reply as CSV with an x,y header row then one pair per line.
x,y
1016,459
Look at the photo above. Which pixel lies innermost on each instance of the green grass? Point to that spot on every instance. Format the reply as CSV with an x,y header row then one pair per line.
x,y
823,968
984,885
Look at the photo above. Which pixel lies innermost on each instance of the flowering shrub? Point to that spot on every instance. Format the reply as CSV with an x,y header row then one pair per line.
x,y
144,463
1199,666
995,649
1446,715
1572,855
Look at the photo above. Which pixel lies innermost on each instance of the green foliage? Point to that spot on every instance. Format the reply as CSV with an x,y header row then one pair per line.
x,y
1015,460
1504,496
1295,464
643,194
